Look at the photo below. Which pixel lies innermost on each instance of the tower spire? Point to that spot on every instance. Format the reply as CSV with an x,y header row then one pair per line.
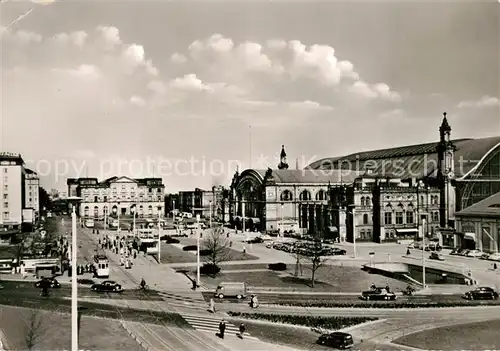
x,y
283,164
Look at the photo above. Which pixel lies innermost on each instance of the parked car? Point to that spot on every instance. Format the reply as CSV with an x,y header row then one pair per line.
x,y
52,281
436,256
335,251
270,245
494,256
485,256
256,240
337,340
481,293
456,252
107,286
378,294
474,253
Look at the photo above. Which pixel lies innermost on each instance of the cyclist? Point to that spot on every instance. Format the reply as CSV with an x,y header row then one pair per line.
x,y
143,284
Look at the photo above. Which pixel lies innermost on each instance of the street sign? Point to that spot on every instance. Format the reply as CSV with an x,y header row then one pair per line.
x,y
372,254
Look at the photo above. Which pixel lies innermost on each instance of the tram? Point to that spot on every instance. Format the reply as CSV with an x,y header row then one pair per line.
x,y
101,264
148,240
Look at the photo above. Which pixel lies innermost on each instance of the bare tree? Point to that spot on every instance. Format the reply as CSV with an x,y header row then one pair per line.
x,y
299,256
35,329
217,245
314,255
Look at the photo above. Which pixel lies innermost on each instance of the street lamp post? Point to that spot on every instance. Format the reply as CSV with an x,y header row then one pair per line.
x,y
353,212
282,224
159,235
418,185
135,214
210,222
74,286
173,208
118,211
198,249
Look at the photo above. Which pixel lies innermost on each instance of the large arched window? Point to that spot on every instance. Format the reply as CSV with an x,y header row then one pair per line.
x,y
86,211
150,210
96,211
362,201
321,195
286,195
367,201
305,196
105,210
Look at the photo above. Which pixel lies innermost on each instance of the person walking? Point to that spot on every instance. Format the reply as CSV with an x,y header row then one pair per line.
x,y
211,307
222,328
23,270
242,330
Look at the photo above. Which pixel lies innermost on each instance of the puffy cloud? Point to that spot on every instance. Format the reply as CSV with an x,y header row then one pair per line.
x,y
22,37
44,2
77,38
310,105
189,83
83,71
178,58
484,101
110,36
369,91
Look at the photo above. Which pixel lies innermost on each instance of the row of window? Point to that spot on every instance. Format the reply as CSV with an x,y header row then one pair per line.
x,y
400,217
123,190
305,195
118,198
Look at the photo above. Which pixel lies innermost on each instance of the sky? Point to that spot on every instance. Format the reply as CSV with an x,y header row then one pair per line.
x,y
191,91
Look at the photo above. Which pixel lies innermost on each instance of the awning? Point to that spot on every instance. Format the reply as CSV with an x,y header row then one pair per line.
x,y
405,231
333,229
470,236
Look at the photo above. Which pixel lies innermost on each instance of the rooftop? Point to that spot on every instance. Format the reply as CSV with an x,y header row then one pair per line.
x,y
290,176
489,207
413,160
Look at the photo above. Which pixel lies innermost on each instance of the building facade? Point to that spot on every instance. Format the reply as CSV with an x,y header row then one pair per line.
x,y
32,191
118,195
478,226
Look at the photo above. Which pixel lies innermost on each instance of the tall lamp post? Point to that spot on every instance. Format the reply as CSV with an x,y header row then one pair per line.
x,y
159,234
197,249
210,221
353,213
133,223
74,285
282,224
418,185
118,210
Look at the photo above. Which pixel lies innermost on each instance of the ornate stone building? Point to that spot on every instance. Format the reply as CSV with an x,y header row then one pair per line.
x,y
266,198
122,195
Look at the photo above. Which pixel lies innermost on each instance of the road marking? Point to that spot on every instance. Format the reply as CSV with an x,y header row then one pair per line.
x,y
211,325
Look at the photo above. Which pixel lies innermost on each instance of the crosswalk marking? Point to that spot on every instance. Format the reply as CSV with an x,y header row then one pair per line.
x,y
211,325
197,302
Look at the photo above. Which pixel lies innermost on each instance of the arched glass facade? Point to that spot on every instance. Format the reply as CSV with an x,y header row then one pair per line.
x,y
482,183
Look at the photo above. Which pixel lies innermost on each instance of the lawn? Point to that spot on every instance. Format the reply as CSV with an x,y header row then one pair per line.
x,y
471,336
52,331
173,254
328,278
8,251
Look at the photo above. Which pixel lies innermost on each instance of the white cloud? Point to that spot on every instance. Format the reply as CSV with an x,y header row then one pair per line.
x,y
310,105
44,2
23,37
137,100
83,71
77,38
178,58
110,36
190,83
374,91
484,101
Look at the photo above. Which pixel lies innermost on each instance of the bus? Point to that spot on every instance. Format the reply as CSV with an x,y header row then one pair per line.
x,y
101,264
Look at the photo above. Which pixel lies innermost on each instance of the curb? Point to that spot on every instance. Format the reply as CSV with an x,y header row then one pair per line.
x,y
136,338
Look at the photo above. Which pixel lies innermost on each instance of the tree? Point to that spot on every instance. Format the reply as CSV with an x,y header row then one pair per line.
x,y
217,244
314,255
44,199
34,328
299,256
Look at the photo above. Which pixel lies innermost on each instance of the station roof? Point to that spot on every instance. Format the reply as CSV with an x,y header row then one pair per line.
x,y
308,176
413,160
489,207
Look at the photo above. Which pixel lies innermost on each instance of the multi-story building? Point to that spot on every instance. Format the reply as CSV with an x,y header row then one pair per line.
x,y
19,192
186,201
32,191
118,195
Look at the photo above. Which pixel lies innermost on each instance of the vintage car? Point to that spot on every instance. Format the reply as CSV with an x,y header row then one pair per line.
x,y
107,286
481,293
378,294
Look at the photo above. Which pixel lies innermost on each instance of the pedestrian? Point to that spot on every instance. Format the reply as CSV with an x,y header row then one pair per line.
x,y
23,270
408,252
211,307
194,284
242,330
495,266
222,328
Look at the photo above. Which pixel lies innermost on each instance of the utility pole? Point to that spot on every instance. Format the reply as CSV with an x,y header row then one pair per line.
x,y
210,221
353,212
74,285
423,253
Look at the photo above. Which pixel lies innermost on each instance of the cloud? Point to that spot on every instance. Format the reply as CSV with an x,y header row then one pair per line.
x,y
178,58
374,91
137,100
109,36
77,38
83,71
20,37
483,102
44,2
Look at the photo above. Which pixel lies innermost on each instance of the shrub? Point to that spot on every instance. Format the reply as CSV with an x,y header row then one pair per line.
x,y
209,269
190,248
205,252
277,266
332,323
171,240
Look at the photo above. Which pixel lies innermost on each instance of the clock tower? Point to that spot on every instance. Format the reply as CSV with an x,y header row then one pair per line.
x,y
445,174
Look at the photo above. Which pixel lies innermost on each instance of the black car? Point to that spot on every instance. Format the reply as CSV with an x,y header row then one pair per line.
x,y
107,286
338,340
378,294
85,281
335,251
51,283
256,240
481,293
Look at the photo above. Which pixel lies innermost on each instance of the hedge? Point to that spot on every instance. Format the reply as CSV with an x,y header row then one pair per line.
x,y
383,304
171,240
190,248
332,323
209,269
205,252
277,266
